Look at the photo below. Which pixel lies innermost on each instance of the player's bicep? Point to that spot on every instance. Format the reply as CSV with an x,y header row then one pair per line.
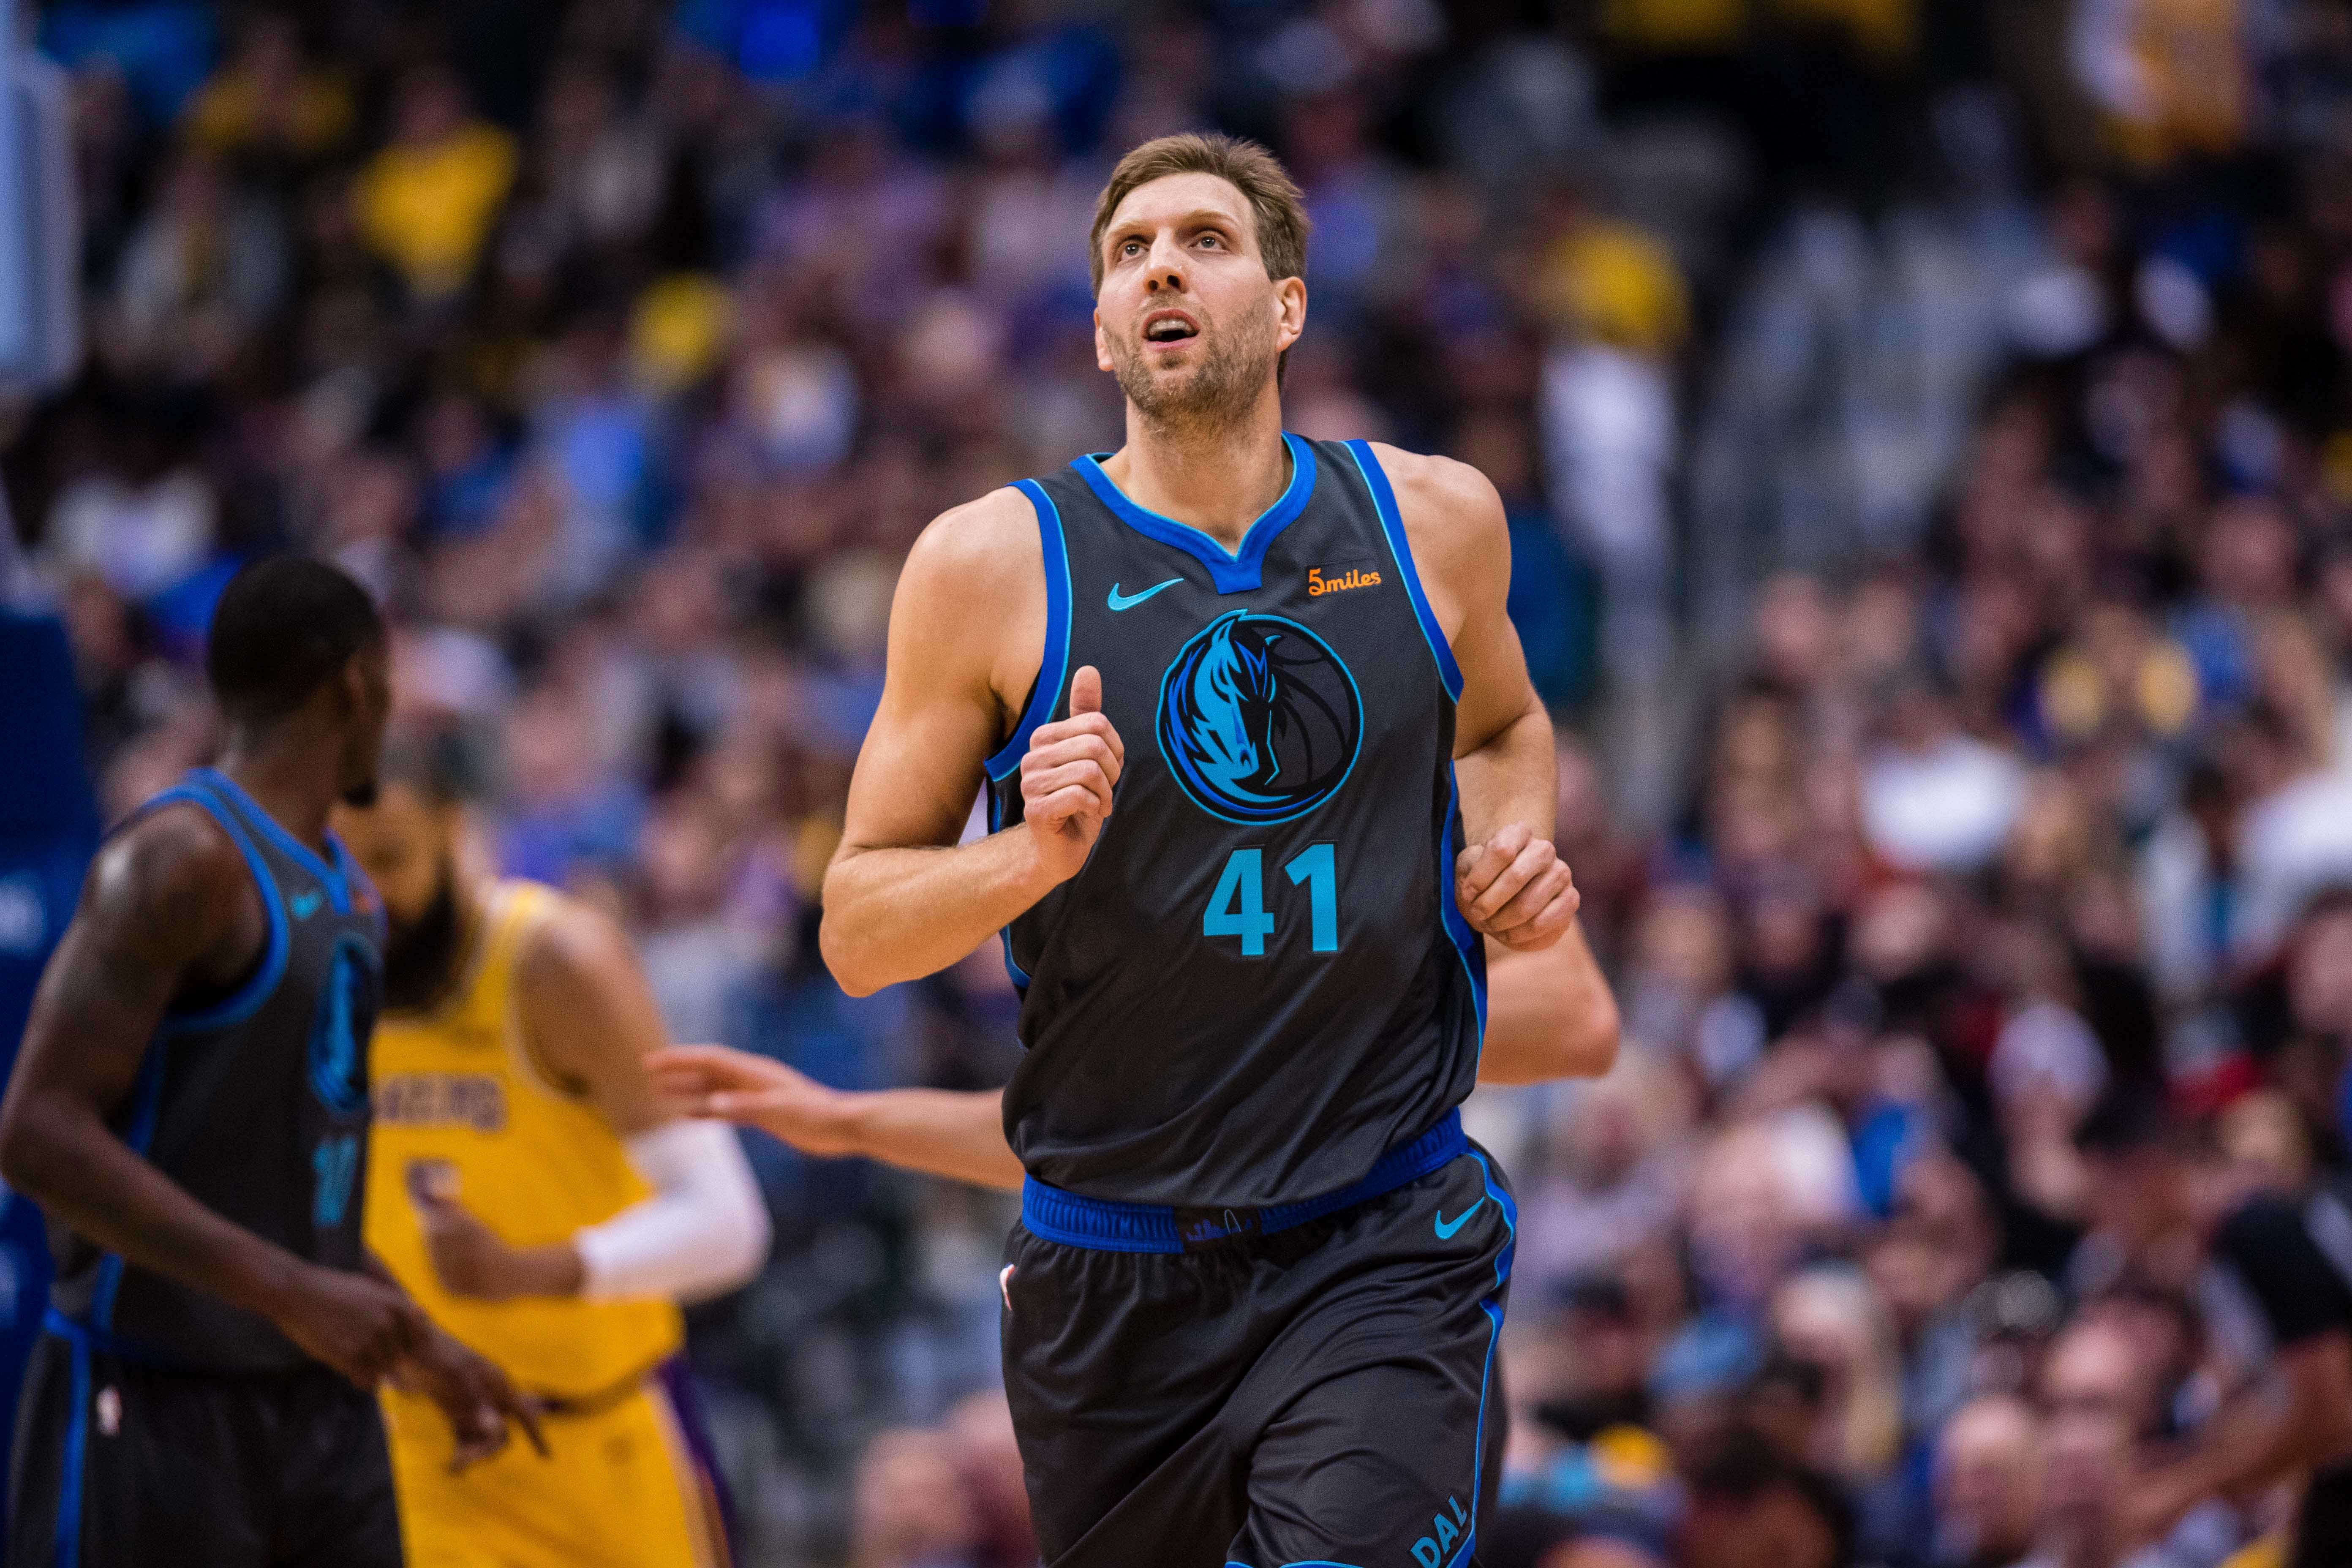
x,y
1461,542
1495,690
589,1015
151,908
941,714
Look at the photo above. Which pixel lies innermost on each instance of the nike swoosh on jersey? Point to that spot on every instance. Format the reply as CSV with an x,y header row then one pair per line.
x,y
1445,1231
1120,601
303,905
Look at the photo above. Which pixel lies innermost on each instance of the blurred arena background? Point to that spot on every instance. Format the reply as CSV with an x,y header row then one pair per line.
x,y
1926,427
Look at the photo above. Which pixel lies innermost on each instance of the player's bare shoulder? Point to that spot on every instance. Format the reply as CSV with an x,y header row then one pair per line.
x,y
1453,520
972,597
171,882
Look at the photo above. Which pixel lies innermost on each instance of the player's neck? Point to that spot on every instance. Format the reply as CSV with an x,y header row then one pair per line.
x,y
279,769
1215,480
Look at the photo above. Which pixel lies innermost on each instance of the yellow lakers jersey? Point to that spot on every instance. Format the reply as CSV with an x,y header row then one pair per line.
x,y
535,1163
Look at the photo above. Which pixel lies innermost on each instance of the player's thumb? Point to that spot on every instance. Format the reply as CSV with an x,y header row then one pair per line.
x,y
1085,691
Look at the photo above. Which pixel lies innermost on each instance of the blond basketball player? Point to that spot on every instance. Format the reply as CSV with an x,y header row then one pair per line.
x,y
526,1186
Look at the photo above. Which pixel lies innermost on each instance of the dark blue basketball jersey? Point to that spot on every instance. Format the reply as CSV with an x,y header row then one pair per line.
x,y
1259,983
255,1103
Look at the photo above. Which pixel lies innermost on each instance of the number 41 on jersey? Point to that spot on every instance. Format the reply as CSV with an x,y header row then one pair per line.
x,y
1237,908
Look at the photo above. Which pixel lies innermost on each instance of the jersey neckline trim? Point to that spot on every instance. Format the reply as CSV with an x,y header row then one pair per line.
x,y
337,884
1230,570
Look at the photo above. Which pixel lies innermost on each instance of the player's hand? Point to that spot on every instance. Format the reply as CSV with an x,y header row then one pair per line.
x,y
1067,776
471,1259
1515,889
477,1397
356,1324
723,1084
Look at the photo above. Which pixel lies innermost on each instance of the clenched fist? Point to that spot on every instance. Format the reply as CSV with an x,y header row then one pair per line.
x,y
1067,776
1515,889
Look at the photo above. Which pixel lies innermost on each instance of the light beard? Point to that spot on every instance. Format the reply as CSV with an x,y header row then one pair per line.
x,y
1216,396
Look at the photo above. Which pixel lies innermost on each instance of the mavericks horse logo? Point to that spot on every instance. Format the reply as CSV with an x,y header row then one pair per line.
x,y
339,1030
1258,719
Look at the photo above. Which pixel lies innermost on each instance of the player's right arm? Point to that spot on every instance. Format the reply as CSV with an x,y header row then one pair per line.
x,y
166,903
902,899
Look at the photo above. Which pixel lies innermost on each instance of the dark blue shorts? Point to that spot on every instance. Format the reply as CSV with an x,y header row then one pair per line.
x,y
1327,1393
121,1464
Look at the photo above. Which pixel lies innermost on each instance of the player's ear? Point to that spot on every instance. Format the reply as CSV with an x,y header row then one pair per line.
x,y
1290,307
1102,346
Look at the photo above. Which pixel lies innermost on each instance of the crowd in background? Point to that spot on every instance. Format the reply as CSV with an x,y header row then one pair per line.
x,y
1926,427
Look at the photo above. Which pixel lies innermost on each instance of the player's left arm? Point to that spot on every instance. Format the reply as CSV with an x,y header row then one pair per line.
x,y
1510,883
589,1020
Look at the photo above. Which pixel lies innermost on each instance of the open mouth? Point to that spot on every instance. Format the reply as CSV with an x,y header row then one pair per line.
x,y
1169,327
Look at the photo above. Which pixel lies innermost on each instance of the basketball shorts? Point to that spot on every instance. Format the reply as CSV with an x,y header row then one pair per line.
x,y
624,1484
122,1464
1194,1389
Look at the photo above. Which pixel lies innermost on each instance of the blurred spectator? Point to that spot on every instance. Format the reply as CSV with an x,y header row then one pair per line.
x,y
427,200
1989,1485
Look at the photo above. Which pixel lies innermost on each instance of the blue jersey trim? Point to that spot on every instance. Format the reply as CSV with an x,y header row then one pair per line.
x,y
1466,945
1102,1224
242,1004
332,877
1230,570
1392,525
139,1136
1492,1305
1056,655
247,1000
66,1540
1004,933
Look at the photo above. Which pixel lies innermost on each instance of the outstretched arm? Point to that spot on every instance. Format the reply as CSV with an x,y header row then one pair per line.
x,y
958,1134
902,899
1548,1015
1509,882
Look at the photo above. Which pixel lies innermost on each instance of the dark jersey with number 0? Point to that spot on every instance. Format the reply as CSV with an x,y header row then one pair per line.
x,y
255,1102
1259,982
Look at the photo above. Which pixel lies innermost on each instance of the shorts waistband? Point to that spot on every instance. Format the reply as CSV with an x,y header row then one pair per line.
x,y
1106,1226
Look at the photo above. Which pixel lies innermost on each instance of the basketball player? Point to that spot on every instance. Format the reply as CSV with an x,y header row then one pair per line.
x,y
1263,762
190,1110
528,1191
1548,1015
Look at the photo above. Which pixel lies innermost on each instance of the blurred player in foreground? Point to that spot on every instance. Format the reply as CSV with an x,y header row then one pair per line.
x,y
528,1188
1548,1015
191,1110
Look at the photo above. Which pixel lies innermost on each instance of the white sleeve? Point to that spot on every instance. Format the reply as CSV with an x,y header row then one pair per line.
x,y
703,1232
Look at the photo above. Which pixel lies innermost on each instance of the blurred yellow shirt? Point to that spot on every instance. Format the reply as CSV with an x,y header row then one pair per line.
x,y
1619,284
428,209
1665,26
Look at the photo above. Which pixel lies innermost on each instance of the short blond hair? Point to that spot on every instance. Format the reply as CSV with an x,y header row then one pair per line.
x,y
1277,210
